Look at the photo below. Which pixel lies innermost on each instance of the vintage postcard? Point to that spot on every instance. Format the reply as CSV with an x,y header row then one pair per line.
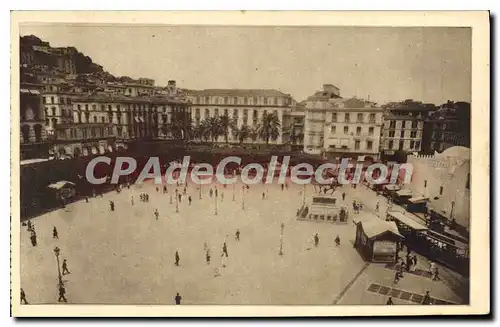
x,y
250,163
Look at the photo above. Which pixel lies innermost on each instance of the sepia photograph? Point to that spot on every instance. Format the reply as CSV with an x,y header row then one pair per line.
x,y
269,162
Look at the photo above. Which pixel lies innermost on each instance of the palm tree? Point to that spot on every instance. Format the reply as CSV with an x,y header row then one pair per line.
x,y
269,127
226,124
180,126
204,130
215,128
243,133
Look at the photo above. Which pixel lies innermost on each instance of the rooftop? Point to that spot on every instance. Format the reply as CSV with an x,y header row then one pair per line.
x,y
238,92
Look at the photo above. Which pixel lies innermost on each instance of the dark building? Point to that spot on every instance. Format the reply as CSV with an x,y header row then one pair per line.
x,y
448,126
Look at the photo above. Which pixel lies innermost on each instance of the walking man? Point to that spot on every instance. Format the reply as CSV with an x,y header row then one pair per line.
x,y
377,207
337,240
178,299
237,234
282,186
180,197
343,196
65,268
132,200
389,301
224,250
211,192
111,206
189,199
177,258
62,294
316,240
156,214
207,257
54,233
263,195
23,297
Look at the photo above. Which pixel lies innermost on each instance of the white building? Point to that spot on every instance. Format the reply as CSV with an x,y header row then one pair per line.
x,y
244,107
444,178
336,127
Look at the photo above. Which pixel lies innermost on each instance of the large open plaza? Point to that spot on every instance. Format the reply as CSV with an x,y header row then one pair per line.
x,y
127,256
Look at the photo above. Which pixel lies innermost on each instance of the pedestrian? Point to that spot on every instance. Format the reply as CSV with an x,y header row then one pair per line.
x,y
65,268
132,200
427,299
377,206
185,190
164,189
178,299
54,233
207,257
189,199
177,258
237,234
316,240
156,214
263,195
436,274
111,206
180,197
396,277
337,240
211,192
414,259
222,196
147,198
224,250
62,294
23,297
157,189
33,238
216,192
389,301
29,225
343,196
205,246
282,187
86,199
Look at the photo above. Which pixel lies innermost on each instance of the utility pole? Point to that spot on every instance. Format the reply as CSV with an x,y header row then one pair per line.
x,y
215,198
234,195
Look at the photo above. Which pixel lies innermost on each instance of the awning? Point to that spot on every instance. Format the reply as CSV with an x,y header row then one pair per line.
x,y
392,187
418,199
401,217
404,193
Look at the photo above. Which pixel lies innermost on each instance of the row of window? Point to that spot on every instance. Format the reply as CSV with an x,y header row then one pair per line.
x,y
413,134
414,145
360,118
53,100
235,113
405,124
333,130
238,100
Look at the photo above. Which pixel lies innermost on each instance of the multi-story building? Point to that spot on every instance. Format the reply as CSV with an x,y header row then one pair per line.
x,y
33,135
243,107
447,127
294,122
403,127
336,127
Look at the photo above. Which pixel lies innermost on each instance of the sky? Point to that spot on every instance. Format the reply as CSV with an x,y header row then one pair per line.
x,y
378,63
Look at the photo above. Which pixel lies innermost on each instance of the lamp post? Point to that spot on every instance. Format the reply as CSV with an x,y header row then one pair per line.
x,y
304,195
215,198
281,238
57,251
243,197
170,197
234,192
199,188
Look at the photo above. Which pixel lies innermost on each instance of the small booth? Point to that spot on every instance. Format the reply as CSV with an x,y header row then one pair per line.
x,y
390,189
377,240
417,204
63,190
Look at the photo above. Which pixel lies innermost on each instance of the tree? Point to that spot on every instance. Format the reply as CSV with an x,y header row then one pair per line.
x,y
243,133
226,124
269,127
214,128
180,126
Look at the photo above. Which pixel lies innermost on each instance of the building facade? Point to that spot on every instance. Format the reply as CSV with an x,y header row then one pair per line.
x,y
447,127
336,127
444,179
243,107
403,127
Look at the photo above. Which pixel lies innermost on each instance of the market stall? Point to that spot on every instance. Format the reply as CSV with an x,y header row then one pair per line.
x,y
377,240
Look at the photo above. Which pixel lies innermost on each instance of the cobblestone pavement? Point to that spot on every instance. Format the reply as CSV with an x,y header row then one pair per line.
x,y
127,256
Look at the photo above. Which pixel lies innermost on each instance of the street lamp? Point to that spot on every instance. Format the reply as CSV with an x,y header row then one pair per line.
x,y
170,197
177,204
243,197
281,238
57,251
234,195
304,195
215,198
199,188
